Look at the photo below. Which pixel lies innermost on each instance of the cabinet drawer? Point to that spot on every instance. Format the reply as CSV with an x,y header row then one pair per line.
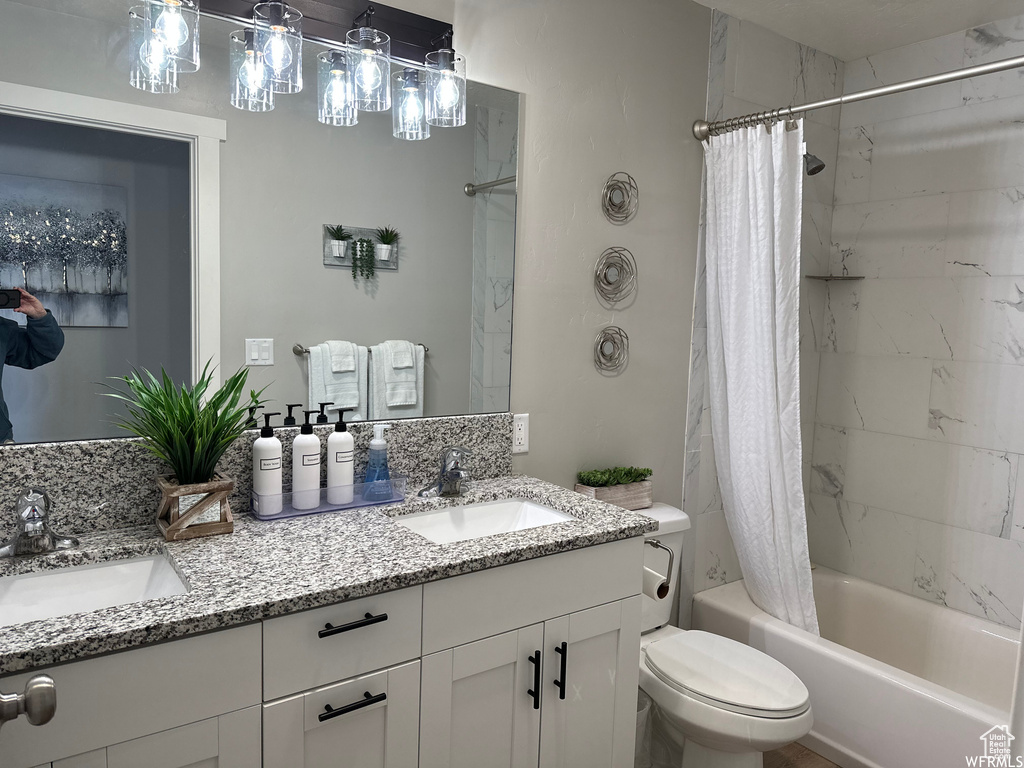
x,y
300,651
466,608
122,696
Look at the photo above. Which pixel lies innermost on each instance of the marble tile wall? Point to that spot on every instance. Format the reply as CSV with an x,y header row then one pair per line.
x,y
751,70
919,433
99,485
494,226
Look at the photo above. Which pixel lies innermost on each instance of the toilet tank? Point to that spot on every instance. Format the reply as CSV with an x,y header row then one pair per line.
x,y
672,525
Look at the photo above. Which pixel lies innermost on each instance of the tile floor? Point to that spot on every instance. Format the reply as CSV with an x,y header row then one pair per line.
x,y
796,756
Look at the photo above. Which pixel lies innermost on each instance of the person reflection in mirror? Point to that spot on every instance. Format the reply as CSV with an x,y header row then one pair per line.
x,y
36,343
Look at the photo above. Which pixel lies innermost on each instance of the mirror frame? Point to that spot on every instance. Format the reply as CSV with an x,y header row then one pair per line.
x,y
203,135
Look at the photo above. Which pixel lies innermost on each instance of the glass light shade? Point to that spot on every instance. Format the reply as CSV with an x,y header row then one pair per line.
x,y
279,38
446,89
249,83
151,67
176,24
409,112
336,94
372,74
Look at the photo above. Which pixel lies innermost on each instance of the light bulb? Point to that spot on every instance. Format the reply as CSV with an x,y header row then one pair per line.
x,y
336,96
252,74
368,75
277,51
154,53
447,94
171,28
412,110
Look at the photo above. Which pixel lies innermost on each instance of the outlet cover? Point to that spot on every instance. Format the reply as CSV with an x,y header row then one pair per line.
x,y
521,433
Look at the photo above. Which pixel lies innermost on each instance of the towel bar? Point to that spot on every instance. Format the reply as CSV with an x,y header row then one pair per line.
x,y
300,350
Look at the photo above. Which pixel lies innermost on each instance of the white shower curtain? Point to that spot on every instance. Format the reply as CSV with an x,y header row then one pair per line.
x,y
752,250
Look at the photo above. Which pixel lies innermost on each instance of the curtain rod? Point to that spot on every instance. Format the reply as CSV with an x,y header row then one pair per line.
x,y
702,129
472,189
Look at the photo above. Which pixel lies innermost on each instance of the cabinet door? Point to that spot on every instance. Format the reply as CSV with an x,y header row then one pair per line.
x,y
370,721
477,709
591,671
228,741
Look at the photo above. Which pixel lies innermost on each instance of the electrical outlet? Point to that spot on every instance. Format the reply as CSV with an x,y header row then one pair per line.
x,y
521,433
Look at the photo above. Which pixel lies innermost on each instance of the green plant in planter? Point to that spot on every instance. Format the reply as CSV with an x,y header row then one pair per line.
x,y
363,258
181,425
339,233
388,236
600,478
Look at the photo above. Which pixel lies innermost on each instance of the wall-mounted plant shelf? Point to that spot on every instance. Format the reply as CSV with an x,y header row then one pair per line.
x,y
335,256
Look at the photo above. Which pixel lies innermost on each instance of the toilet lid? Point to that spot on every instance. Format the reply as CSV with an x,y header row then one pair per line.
x,y
727,674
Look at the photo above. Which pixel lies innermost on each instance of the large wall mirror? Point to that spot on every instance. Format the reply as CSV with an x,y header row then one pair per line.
x,y
282,177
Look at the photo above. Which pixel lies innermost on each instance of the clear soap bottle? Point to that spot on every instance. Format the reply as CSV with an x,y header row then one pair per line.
x,y
377,484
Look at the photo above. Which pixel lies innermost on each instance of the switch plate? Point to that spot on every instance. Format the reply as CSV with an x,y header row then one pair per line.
x,y
259,351
521,433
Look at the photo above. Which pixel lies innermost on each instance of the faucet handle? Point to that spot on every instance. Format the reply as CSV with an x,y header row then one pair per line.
x,y
32,504
452,456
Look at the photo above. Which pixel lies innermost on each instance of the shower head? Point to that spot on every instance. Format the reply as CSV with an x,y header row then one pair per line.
x,y
813,164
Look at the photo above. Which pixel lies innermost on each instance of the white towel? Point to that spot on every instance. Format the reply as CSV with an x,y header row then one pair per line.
x,y
400,377
379,408
344,390
343,356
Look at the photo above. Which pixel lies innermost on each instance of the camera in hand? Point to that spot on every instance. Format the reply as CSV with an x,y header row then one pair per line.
x,y
10,298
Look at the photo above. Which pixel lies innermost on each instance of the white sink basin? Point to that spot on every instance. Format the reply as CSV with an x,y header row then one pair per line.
x,y
47,594
474,521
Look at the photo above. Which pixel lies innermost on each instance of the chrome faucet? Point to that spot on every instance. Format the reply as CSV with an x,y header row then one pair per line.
x,y
452,474
34,535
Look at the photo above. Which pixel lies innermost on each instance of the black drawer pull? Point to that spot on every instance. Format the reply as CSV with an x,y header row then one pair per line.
x,y
562,649
329,629
367,700
535,693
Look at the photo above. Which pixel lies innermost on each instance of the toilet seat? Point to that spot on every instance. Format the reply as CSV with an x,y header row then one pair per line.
x,y
726,674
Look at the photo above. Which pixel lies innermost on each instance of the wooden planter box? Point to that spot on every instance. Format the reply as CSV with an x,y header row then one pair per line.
x,y
629,496
175,525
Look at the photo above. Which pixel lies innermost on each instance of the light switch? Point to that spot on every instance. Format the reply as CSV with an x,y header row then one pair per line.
x,y
259,351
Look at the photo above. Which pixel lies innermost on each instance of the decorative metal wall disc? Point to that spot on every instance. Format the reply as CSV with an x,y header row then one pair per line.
x,y
620,198
611,349
615,275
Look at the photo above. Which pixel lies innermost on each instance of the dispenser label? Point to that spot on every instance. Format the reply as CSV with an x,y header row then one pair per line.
x,y
310,459
269,464
343,457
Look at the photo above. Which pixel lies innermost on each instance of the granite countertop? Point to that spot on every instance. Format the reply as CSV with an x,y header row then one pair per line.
x,y
267,569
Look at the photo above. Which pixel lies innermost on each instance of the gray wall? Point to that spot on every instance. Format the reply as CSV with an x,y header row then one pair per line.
x,y
61,400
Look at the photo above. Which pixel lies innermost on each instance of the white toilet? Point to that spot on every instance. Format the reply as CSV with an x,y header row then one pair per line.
x,y
719,703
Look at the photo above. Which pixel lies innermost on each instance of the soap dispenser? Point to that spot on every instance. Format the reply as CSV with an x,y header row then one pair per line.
x,y
266,468
322,417
289,420
377,485
306,467
340,462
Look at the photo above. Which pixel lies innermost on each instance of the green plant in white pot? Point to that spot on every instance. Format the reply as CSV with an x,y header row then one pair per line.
x,y
190,432
387,238
340,238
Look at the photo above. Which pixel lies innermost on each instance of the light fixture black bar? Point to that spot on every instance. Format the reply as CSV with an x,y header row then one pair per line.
x,y
327,21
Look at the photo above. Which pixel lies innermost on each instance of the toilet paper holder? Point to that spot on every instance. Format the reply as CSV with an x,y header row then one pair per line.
x,y
671,558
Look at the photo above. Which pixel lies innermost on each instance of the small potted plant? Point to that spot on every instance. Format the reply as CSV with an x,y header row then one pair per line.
x,y
387,239
363,258
190,432
339,240
626,487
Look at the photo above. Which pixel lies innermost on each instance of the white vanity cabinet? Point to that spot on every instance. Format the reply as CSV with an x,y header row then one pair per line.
x,y
498,701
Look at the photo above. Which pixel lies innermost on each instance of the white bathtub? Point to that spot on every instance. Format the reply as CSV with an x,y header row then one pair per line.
x,y
898,683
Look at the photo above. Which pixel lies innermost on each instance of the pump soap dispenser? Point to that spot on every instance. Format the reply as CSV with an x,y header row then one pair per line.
x,y
340,462
306,467
377,485
266,469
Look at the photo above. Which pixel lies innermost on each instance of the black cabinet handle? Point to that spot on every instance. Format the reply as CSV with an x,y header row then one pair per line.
x,y
535,660
329,629
562,649
367,700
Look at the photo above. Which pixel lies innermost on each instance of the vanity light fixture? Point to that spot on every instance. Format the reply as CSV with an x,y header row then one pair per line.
x,y
409,114
152,67
250,85
446,84
336,97
279,38
373,71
